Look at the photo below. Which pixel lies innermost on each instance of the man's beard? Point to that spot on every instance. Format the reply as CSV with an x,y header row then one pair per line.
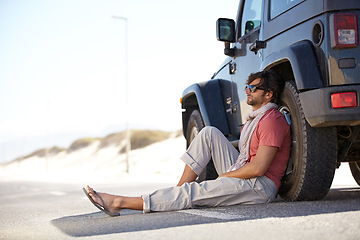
x,y
253,102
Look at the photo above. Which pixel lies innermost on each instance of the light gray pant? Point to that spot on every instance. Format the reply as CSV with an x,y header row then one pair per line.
x,y
210,143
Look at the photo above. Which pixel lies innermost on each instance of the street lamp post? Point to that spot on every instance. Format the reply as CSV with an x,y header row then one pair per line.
x,y
128,140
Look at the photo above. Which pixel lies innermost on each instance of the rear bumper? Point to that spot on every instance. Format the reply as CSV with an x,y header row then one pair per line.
x,y
319,113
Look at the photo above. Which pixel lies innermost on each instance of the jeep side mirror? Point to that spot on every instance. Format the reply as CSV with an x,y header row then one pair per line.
x,y
225,32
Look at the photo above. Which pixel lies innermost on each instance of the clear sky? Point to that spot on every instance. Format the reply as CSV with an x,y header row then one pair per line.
x,y
62,66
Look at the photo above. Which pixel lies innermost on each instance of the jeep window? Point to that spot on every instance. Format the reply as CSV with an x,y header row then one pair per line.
x,y
277,7
251,16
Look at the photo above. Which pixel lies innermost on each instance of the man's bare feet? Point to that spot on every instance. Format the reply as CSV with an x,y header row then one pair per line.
x,y
110,203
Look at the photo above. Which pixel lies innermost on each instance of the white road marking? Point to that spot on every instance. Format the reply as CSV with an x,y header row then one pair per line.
x,y
210,214
57,193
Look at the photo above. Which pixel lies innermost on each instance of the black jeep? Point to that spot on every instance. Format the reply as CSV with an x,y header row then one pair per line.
x,y
314,46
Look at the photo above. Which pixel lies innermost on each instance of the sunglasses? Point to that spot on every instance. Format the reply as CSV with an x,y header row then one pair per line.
x,y
253,88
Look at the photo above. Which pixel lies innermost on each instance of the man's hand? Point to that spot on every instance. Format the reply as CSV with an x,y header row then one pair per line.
x,y
256,167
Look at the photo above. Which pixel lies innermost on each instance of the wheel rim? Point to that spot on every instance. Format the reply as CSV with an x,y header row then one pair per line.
x,y
194,132
286,112
290,173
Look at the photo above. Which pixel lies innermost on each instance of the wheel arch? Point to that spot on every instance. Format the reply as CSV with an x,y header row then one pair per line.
x,y
207,98
296,62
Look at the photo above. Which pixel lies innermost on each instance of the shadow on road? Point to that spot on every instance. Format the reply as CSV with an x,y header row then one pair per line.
x,y
337,200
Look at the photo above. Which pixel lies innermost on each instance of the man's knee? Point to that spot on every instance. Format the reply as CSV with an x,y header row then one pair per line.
x,y
207,129
209,132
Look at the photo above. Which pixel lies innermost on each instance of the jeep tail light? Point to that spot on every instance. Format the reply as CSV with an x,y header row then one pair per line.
x,y
344,100
345,27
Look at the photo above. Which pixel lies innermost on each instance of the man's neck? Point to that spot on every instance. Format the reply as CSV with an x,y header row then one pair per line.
x,y
260,106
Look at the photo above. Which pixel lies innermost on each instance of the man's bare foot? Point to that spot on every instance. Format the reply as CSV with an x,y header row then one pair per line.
x,y
110,203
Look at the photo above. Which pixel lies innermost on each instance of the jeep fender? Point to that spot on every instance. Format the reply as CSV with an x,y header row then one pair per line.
x,y
207,97
303,63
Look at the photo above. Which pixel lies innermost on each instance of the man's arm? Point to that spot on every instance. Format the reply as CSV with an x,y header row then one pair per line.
x,y
257,167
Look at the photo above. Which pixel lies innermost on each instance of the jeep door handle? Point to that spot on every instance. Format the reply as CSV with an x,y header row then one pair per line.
x,y
234,107
257,45
232,68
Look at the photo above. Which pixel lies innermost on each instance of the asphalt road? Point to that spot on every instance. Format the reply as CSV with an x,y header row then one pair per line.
x,y
61,211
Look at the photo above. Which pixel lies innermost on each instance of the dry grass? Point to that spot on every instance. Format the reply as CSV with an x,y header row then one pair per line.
x,y
81,143
43,152
139,139
112,139
143,138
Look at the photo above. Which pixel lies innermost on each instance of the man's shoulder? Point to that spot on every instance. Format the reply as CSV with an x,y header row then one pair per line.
x,y
273,114
273,124
273,118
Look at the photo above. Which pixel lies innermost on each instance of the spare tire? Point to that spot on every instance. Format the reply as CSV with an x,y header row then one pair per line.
x,y
312,161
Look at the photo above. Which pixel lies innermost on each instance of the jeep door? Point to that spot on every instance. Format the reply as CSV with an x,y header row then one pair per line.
x,y
245,62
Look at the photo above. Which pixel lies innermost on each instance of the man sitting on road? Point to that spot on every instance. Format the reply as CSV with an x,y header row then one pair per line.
x,y
251,176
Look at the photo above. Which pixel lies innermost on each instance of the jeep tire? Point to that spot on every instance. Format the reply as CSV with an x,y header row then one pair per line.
x,y
355,171
313,155
194,126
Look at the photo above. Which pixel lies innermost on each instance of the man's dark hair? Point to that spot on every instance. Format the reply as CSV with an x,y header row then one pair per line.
x,y
270,81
